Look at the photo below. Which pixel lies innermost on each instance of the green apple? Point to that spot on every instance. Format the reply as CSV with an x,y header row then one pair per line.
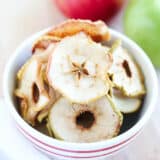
x,y
142,24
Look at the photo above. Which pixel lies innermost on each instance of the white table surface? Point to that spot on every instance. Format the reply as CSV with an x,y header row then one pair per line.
x,y
20,19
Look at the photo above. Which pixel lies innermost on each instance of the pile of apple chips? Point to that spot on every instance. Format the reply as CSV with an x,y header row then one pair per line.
x,y
77,85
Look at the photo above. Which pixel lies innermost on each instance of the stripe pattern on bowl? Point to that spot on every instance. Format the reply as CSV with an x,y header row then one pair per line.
x,y
73,154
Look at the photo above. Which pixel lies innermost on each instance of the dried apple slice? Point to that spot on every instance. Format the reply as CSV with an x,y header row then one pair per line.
x,y
78,68
125,73
97,30
31,84
54,95
34,92
125,104
43,43
30,90
96,121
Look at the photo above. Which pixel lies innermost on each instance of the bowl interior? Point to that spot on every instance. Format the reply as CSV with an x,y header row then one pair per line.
x,y
24,52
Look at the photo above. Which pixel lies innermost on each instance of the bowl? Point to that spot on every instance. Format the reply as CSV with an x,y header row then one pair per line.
x,y
68,150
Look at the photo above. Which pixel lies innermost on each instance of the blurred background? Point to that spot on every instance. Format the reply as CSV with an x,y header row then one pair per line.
x,y
139,19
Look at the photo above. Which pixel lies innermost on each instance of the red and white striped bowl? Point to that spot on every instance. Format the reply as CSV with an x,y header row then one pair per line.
x,y
66,150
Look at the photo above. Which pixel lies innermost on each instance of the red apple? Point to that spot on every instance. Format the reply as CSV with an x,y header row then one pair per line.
x,y
89,9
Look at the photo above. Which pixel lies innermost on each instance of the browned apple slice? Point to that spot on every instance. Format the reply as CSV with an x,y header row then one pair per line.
x,y
97,30
44,42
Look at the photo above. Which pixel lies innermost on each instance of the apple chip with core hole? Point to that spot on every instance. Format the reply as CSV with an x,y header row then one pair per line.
x,y
34,93
124,73
96,121
97,30
125,104
79,65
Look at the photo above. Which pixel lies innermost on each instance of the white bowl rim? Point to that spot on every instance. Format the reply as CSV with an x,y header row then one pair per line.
x,y
82,146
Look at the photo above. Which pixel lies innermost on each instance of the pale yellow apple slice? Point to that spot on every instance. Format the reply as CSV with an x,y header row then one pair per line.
x,y
125,104
78,68
125,73
96,121
34,93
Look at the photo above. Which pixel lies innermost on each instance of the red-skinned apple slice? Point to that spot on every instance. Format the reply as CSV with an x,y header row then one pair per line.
x,y
97,30
43,43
